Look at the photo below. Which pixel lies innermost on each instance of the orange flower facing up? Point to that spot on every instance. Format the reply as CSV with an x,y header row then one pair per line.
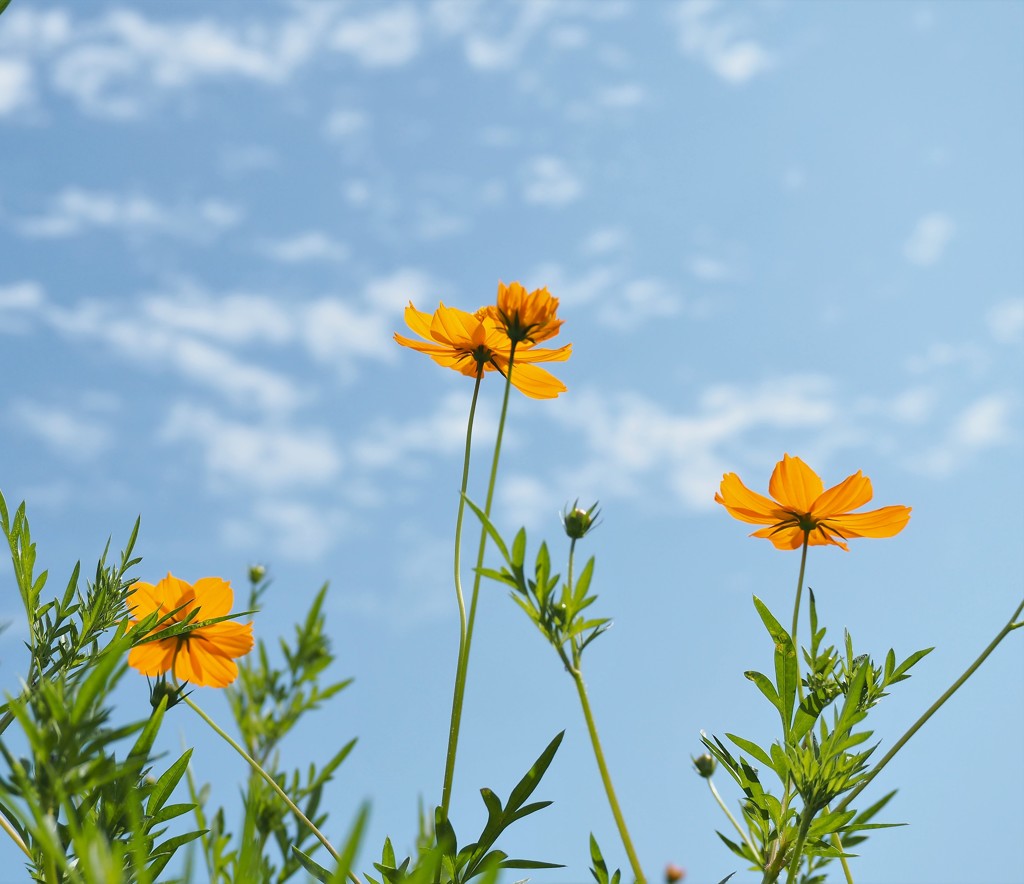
x,y
475,343
527,317
204,656
802,507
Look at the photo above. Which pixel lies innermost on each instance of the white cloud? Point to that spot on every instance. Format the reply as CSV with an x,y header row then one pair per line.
x,y
709,269
548,181
929,239
160,346
711,32
77,437
235,318
1006,321
114,64
624,95
985,423
27,296
292,529
631,441
75,211
311,245
637,301
344,123
15,85
389,443
388,37
259,457
941,355
605,240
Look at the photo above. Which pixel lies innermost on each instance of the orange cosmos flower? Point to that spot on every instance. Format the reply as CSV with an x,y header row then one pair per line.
x,y
802,507
475,343
526,316
203,656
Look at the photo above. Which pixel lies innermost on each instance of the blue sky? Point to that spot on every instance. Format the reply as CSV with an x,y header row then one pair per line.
x,y
773,227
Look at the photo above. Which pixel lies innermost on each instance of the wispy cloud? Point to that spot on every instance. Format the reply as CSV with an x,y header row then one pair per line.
x,y
75,211
113,65
1006,321
19,302
293,529
72,434
712,32
983,424
384,37
257,456
929,238
15,85
548,181
311,245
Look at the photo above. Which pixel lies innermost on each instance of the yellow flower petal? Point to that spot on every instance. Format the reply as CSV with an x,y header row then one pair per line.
x,y
747,505
794,484
852,492
885,522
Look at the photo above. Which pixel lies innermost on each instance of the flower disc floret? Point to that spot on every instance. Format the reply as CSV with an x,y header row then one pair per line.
x,y
204,655
800,508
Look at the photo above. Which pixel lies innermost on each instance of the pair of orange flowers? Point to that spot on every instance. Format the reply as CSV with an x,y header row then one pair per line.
x,y
493,337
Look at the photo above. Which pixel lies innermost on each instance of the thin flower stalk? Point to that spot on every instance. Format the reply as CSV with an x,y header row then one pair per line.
x,y
466,637
463,657
270,781
595,739
15,837
796,613
1012,624
742,833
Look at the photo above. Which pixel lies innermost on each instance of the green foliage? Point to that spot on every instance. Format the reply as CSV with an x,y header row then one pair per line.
x,y
444,862
84,809
557,614
818,757
599,869
267,702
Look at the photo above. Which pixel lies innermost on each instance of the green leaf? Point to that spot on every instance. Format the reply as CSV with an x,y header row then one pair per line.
x,y
766,687
753,749
785,664
531,780
491,530
314,868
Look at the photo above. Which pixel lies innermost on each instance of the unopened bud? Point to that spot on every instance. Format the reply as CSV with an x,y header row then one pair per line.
x,y
674,873
578,522
257,573
705,765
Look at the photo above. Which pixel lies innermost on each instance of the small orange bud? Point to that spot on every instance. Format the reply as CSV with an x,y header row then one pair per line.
x,y
674,873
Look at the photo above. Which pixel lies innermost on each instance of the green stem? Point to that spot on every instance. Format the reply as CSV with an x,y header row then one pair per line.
x,y
796,613
1011,625
463,657
15,837
466,630
595,741
270,782
732,819
798,847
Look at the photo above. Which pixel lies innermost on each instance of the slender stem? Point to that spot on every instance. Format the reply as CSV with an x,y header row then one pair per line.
x,y
15,837
606,778
837,843
270,782
463,656
466,637
1011,625
798,847
796,613
744,835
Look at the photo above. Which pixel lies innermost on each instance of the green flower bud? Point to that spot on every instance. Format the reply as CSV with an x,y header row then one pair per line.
x,y
257,573
162,688
577,522
705,765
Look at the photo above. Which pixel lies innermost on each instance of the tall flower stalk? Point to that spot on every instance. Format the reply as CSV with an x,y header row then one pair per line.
x,y
500,338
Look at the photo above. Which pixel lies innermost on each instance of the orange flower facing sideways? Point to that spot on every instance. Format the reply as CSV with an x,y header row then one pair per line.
x,y
528,317
801,506
204,656
475,343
